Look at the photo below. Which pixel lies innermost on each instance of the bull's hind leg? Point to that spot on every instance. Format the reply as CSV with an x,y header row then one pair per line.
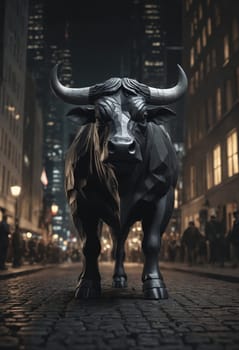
x,y
154,224
89,280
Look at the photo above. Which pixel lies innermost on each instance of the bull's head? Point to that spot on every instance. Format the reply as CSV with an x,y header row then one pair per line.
x,y
121,108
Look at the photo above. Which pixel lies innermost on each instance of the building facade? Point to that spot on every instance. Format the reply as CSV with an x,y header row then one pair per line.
x,y
13,41
211,60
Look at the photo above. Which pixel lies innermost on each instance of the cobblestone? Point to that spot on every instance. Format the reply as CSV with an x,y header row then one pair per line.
x,y
39,311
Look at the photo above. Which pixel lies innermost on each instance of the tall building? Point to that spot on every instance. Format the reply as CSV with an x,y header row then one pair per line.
x,y
148,63
56,142
211,59
13,42
44,51
31,198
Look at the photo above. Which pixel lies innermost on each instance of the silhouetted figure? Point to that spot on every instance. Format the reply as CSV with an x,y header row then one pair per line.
x,y
17,247
41,251
215,236
32,251
191,239
233,238
4,240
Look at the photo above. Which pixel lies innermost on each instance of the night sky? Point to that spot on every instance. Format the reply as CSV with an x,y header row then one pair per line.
x,y
100,34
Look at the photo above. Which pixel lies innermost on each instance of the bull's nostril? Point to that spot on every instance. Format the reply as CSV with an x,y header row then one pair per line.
x,y
131,148
111,147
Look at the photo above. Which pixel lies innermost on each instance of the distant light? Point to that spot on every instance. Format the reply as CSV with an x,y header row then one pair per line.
x,y
15,190
17,116
29,235
43,178
54,209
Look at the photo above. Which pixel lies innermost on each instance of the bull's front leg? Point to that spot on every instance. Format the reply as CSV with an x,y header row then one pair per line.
x,y
154,224
119,277
89,285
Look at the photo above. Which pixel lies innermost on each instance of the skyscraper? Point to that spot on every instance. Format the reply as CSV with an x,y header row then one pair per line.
x,y
44,51
13,41
211,59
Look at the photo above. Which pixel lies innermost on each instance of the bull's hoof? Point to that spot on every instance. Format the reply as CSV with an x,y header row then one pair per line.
x,y
155,289
119,282
88,289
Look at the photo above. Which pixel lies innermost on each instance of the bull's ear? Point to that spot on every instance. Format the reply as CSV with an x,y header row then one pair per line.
x,y
82,115
159,115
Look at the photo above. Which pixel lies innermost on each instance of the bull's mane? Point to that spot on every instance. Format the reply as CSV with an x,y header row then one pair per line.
x,y
112,85
83,161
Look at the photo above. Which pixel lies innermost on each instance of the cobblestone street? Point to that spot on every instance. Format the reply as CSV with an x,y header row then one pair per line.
x,y
39,311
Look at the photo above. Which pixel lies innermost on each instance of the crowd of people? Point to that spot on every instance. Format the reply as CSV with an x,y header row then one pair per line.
x,y
215,246
17,250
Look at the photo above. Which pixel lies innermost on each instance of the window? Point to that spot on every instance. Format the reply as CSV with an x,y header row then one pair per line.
x,y
214,59
192,181
229,99
232,153
199,46
201,70
217,165
226,49
217,15
192,57
204,37
209,170
200,12
235,34
209,113
208,67
219,104
237,78
209,26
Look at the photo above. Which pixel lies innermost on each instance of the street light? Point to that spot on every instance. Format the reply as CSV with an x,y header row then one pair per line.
x,y
54,209
16,191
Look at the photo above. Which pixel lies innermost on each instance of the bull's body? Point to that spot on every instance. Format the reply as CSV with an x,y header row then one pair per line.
x,y
121,168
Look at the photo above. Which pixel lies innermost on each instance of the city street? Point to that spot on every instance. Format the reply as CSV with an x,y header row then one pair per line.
x,y
39,311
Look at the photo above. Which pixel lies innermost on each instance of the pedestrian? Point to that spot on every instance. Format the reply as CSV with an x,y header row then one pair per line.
x,y
17,247
32,251
191,240
233,238
215,235
41,251
4,240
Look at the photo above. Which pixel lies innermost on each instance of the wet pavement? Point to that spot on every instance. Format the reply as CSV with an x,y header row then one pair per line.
x,y
38,311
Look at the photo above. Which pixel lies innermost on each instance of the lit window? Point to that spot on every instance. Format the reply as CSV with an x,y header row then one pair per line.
x,y
217,165
192,57
226,49
232,153
200,12
199,45
209,26
219,103
176,198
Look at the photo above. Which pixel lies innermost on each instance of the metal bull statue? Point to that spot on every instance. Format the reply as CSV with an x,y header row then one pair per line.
x,y
120,168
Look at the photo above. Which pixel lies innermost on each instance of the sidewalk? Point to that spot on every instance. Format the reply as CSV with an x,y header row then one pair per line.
x,y
225,273
25,269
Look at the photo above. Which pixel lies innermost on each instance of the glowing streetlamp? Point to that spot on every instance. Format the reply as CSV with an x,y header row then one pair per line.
x,y
54,209
16,191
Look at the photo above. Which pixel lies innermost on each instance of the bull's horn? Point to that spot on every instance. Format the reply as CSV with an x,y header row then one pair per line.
x,y
167,96
78,96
